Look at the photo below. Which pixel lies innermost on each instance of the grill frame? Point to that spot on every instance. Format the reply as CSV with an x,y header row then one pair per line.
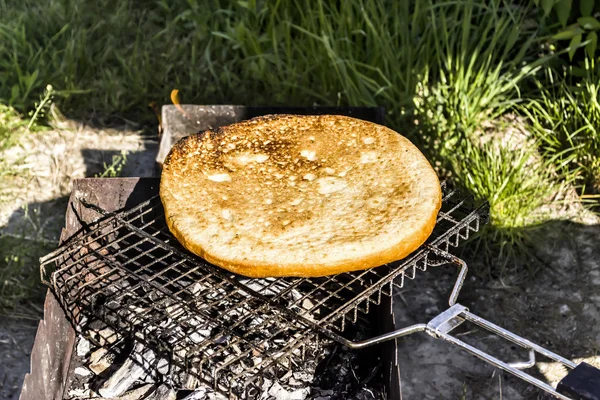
x,y
458,218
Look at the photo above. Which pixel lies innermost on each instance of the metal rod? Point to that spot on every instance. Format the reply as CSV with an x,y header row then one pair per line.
x,y
502,365
462,274
515,339
525,364
385,337
441,326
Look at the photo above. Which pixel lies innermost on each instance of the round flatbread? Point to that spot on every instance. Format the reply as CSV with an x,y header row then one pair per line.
x,y
291,195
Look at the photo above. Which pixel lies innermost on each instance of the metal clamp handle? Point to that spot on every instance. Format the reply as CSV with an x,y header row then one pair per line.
x,y
441,326
462,272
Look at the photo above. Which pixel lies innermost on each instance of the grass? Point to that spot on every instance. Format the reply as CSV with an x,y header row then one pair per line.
x,y
566,118
443,69
519,187
361,53
515,187
12,126
20,285
115,168
21,291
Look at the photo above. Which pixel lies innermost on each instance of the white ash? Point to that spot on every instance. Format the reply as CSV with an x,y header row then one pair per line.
x,y
82,371
278,392
134,368
137,393
271,287
162,366
291,377
297,385
564,309
83,346
163,392
79,393
205,393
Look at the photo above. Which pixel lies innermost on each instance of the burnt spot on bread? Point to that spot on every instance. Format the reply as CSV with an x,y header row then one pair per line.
x,y
219,132
284,153
178,150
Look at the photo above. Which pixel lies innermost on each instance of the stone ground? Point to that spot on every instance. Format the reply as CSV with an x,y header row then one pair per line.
x,y
558,308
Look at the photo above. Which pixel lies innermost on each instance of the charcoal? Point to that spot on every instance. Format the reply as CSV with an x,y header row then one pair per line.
x,y
82,321
271,287
192,382
105,336
162,366
175,311
137,393
303,376
192,357
204,393
200,335
349,375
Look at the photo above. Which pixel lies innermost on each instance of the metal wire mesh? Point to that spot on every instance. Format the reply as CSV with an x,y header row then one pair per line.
x,y
129,272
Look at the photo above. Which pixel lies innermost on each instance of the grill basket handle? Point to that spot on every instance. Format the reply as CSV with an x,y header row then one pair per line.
x,y
581,383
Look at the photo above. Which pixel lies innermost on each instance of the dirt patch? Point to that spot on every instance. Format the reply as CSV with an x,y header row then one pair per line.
x,y
48,161
16,340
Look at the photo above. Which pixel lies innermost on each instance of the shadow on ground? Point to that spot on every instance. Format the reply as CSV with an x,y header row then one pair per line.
x,y
16,340
44,220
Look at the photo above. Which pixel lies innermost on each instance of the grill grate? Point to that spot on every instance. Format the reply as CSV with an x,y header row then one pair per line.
x,y
129,272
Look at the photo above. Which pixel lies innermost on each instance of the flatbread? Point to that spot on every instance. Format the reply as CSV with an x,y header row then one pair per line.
x,y
307,196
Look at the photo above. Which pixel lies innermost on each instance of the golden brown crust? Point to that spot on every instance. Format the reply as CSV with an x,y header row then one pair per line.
x,y
299,196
